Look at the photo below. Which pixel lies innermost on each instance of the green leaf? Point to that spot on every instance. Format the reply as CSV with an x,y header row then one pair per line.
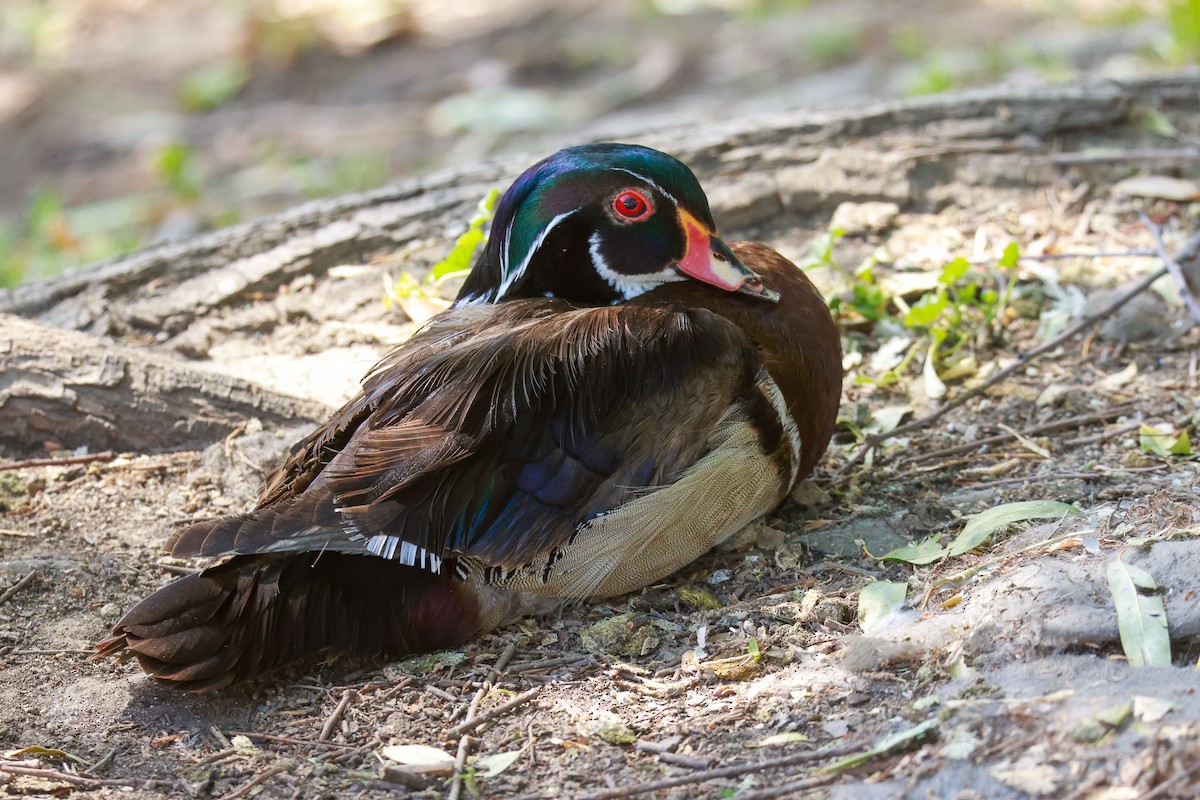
x,y
978,528
1164,443
983,524
952,272
1159,123
926,552
173,162
878,600
925,311
1010,257
1141,616
459,259
213,85
884,746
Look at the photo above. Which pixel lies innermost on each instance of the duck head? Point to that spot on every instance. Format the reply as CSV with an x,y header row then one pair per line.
x,y
600,224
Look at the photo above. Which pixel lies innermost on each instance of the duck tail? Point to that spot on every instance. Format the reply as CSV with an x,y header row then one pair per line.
x,y
250,614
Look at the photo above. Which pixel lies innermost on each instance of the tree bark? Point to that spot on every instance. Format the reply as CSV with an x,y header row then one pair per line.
x,y
73,389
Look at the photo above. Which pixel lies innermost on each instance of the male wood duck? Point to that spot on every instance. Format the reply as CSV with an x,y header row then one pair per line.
x,y
614,391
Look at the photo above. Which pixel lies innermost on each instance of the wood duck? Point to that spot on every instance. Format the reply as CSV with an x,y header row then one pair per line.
x,y
614,391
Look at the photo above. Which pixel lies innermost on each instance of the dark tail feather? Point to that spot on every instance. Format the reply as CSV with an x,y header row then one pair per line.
x,y
254,613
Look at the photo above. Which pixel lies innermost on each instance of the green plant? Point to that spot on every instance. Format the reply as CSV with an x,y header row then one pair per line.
x,y
1183,22
456,264
174,165
966,307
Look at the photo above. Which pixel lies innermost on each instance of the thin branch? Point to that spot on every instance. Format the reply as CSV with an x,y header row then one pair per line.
x,y
77,780
1133,154
16,587
1048,427
1173,266
723,772
472,723
336,717
261,777
107,455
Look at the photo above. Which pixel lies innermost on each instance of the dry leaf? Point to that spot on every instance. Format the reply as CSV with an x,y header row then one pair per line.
x,y
1161,187
417,755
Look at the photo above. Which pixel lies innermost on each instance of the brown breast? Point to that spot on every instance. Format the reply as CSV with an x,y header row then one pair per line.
x,y
796,338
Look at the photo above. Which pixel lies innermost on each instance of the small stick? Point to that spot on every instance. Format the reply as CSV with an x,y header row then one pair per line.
x,y
502,661
22,534
440,693
16,587
680,760
1166,786
217,756
104,760
1101,437
1181,284
1048,427
530,666
471,723
788,788
731,771
77,780
221,738
1023,361
62,652
269,737
107,455
1123,156
460,762
336,716
255,781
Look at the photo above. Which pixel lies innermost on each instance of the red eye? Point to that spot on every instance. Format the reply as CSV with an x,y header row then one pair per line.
x,y
632,205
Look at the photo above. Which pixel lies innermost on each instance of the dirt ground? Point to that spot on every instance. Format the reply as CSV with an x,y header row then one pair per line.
x,y
745,675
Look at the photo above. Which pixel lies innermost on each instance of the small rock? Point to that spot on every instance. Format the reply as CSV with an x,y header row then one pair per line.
x,y
719,576
110,612
1144,317
1053,395
770,538
808,493
13,493
861,218
697,598
621,635
612,730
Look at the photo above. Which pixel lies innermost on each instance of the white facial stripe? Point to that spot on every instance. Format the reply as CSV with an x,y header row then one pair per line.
x,y
641,177
513,276
629,286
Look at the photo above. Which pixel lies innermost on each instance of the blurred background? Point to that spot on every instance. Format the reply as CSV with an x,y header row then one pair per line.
x,y
124,123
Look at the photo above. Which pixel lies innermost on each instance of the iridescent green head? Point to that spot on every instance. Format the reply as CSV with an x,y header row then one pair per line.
x,y
600,224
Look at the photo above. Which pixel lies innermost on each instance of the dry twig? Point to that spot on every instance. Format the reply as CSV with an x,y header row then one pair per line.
x,y
731,771
336,717
261,777
106,455
1047,427
16,587
1173,265
473,722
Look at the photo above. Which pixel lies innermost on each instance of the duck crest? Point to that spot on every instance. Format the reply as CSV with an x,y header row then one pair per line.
x,y
615,391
